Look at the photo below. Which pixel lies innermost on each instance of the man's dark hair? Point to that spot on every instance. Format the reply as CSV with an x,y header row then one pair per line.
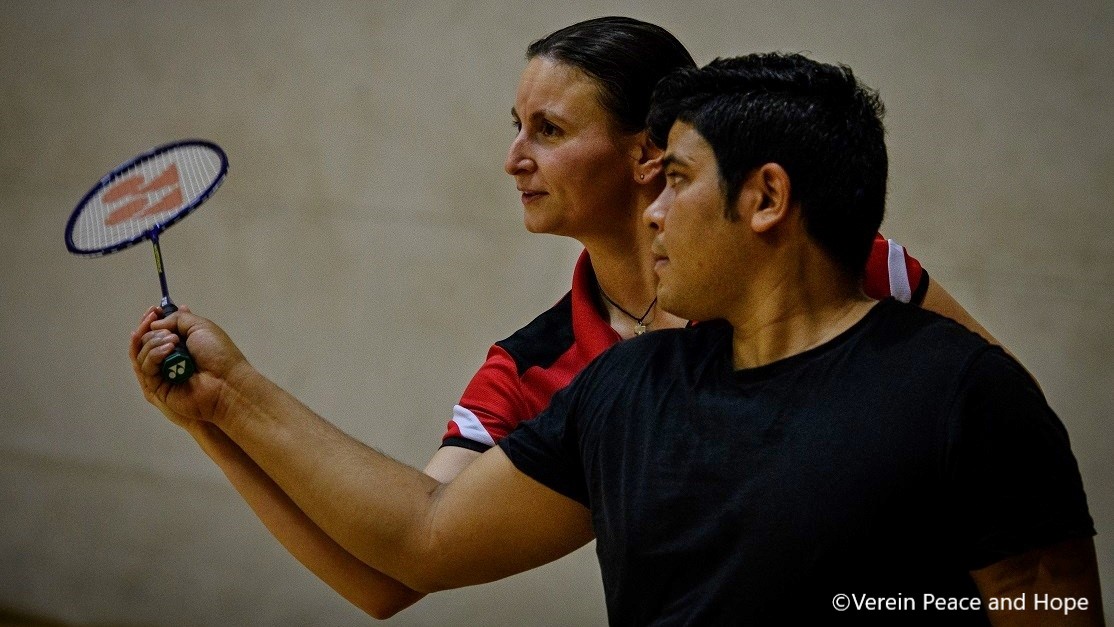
x,y
626,57
815,120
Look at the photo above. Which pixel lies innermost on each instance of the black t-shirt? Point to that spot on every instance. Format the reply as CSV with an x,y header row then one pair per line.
x,y
886,463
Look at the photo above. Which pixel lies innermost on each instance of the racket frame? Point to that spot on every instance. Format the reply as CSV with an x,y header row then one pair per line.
x,y
154,230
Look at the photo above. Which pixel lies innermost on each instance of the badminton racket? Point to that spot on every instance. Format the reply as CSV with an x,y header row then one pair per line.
x,y
140,199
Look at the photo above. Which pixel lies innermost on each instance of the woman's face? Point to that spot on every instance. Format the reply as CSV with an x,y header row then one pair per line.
x,y
574,168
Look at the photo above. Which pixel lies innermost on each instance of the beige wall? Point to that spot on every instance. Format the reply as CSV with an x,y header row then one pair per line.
x,y
367,247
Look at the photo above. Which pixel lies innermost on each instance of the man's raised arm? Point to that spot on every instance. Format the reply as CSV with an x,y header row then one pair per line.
x,y
492,521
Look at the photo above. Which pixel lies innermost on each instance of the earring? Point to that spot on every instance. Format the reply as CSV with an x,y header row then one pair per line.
x,y
642,177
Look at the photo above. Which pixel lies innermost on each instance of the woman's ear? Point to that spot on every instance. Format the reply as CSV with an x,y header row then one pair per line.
x,y
646,156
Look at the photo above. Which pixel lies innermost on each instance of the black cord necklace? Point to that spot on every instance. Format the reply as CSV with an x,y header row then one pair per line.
x,y
639,325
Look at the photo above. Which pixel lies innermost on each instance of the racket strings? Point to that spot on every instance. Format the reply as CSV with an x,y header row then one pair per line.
x,y
152,192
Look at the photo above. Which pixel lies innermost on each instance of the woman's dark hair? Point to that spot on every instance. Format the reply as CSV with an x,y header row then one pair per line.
x,y
627,57
816,120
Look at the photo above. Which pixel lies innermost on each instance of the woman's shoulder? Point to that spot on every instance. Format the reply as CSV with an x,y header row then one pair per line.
x,y
544,339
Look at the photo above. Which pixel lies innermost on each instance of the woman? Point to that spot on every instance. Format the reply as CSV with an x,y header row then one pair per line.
x,y
586,169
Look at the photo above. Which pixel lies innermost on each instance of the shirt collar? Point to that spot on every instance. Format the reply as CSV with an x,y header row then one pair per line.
x,y
593,333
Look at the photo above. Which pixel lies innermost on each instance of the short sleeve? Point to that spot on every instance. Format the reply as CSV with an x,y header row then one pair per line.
x,y
892,271
1015,484
491,406
547,448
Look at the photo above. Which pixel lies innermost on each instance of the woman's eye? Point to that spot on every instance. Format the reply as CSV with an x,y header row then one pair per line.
x,y
549,130
517,125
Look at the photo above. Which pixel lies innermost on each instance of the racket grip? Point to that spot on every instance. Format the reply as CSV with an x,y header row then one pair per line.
x,y
178,366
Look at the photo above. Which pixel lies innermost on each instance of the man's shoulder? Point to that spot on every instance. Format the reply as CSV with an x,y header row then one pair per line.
x,y
903,345
902,323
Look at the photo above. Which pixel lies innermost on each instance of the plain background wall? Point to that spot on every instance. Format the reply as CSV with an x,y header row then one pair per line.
x,y
366,249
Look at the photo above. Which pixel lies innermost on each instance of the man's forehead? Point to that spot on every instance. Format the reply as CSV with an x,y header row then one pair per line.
x,y
686,146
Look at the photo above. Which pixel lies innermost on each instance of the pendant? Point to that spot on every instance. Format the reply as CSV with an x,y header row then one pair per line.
x,y
639,328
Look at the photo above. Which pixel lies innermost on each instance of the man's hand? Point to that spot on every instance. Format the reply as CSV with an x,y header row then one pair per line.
x,y
219,365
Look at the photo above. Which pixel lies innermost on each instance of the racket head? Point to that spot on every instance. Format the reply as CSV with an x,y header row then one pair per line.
x,y
144,196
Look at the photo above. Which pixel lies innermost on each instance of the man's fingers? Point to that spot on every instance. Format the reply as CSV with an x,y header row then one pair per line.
x,y
136,342
170,322
179,322
156,346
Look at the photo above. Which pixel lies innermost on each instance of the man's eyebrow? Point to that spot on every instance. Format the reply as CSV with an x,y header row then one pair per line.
x,y
671,159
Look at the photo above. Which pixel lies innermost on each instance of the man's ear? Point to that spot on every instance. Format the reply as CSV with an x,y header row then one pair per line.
x,y
767,190
647,157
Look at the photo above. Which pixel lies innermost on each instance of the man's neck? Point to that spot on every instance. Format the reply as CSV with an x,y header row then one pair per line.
x,y
805,306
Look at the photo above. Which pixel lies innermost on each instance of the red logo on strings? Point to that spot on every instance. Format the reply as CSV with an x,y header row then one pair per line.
x,y
144,198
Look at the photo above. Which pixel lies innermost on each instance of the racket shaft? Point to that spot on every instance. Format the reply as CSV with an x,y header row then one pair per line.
x,y
162,273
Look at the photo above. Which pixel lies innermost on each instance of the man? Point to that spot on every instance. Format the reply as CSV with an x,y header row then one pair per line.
x,y
805,447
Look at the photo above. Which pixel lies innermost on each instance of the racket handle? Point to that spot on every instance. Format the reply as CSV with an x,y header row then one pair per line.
x,y
178,366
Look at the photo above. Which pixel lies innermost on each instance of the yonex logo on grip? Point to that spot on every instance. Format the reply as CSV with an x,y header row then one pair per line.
x,y
177,370
143,198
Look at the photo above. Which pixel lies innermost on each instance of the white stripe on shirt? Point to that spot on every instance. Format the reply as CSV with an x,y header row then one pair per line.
x,y
470,426
899,273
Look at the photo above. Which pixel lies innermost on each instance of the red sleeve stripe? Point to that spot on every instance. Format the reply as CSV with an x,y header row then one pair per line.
x,y
900,287
470,426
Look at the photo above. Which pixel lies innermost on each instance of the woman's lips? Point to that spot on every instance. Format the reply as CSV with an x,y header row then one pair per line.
x,y
529,196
